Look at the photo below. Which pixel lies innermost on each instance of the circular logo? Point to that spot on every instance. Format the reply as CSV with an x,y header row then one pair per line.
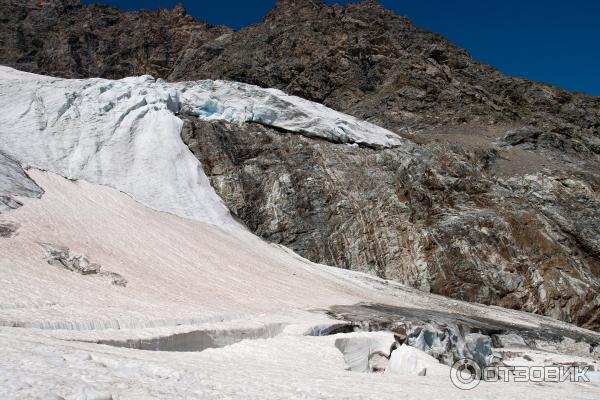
x,y
465,374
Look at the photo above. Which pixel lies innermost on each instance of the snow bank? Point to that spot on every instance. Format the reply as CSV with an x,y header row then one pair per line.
x,y
358,348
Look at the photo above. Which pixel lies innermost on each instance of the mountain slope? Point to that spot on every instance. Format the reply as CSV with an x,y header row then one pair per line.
x,y
360,59
498,203
367,61
65,38
102,297
124,276
186,277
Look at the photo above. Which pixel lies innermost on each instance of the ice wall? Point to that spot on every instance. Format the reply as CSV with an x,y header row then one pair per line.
x,y
126,134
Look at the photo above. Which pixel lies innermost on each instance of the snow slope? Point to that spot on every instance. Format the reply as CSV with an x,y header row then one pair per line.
x,y
185,275
179,270
285,367
125,134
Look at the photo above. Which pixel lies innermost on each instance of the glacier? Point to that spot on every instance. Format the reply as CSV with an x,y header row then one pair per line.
x,y
98,167
239,102
126,133
122,134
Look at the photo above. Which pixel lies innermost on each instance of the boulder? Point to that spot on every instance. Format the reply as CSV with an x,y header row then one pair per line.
x,y
527,134
508,340
8,229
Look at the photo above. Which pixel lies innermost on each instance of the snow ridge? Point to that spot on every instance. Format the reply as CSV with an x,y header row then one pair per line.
x,y
126,134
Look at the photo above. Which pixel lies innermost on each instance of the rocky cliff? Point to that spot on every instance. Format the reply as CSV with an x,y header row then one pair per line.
x,y
497,202
437,218
361,59
67,39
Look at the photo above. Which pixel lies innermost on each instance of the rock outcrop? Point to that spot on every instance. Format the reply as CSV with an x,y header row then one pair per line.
x,y
68,39
439,220
14,182
61,257
7,229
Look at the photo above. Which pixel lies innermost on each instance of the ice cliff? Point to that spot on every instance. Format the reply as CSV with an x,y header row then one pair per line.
x,y
126,134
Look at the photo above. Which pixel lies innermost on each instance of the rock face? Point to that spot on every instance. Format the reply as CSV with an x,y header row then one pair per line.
x,y
497,202
439,220
65,38
14,182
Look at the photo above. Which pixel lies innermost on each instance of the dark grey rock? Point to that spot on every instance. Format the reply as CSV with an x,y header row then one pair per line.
x,y
478,347
14,182
8,229
508,340
528,134
59,256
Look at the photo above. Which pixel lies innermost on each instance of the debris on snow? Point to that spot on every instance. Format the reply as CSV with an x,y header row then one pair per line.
x,y
59,256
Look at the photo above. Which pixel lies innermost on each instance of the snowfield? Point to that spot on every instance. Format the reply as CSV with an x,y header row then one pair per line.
x,y
202,308
183,277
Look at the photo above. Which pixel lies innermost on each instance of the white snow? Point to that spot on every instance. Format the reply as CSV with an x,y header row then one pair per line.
x,y
186,276
179,270
358,348
122,134
408,360
284,367
125,134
